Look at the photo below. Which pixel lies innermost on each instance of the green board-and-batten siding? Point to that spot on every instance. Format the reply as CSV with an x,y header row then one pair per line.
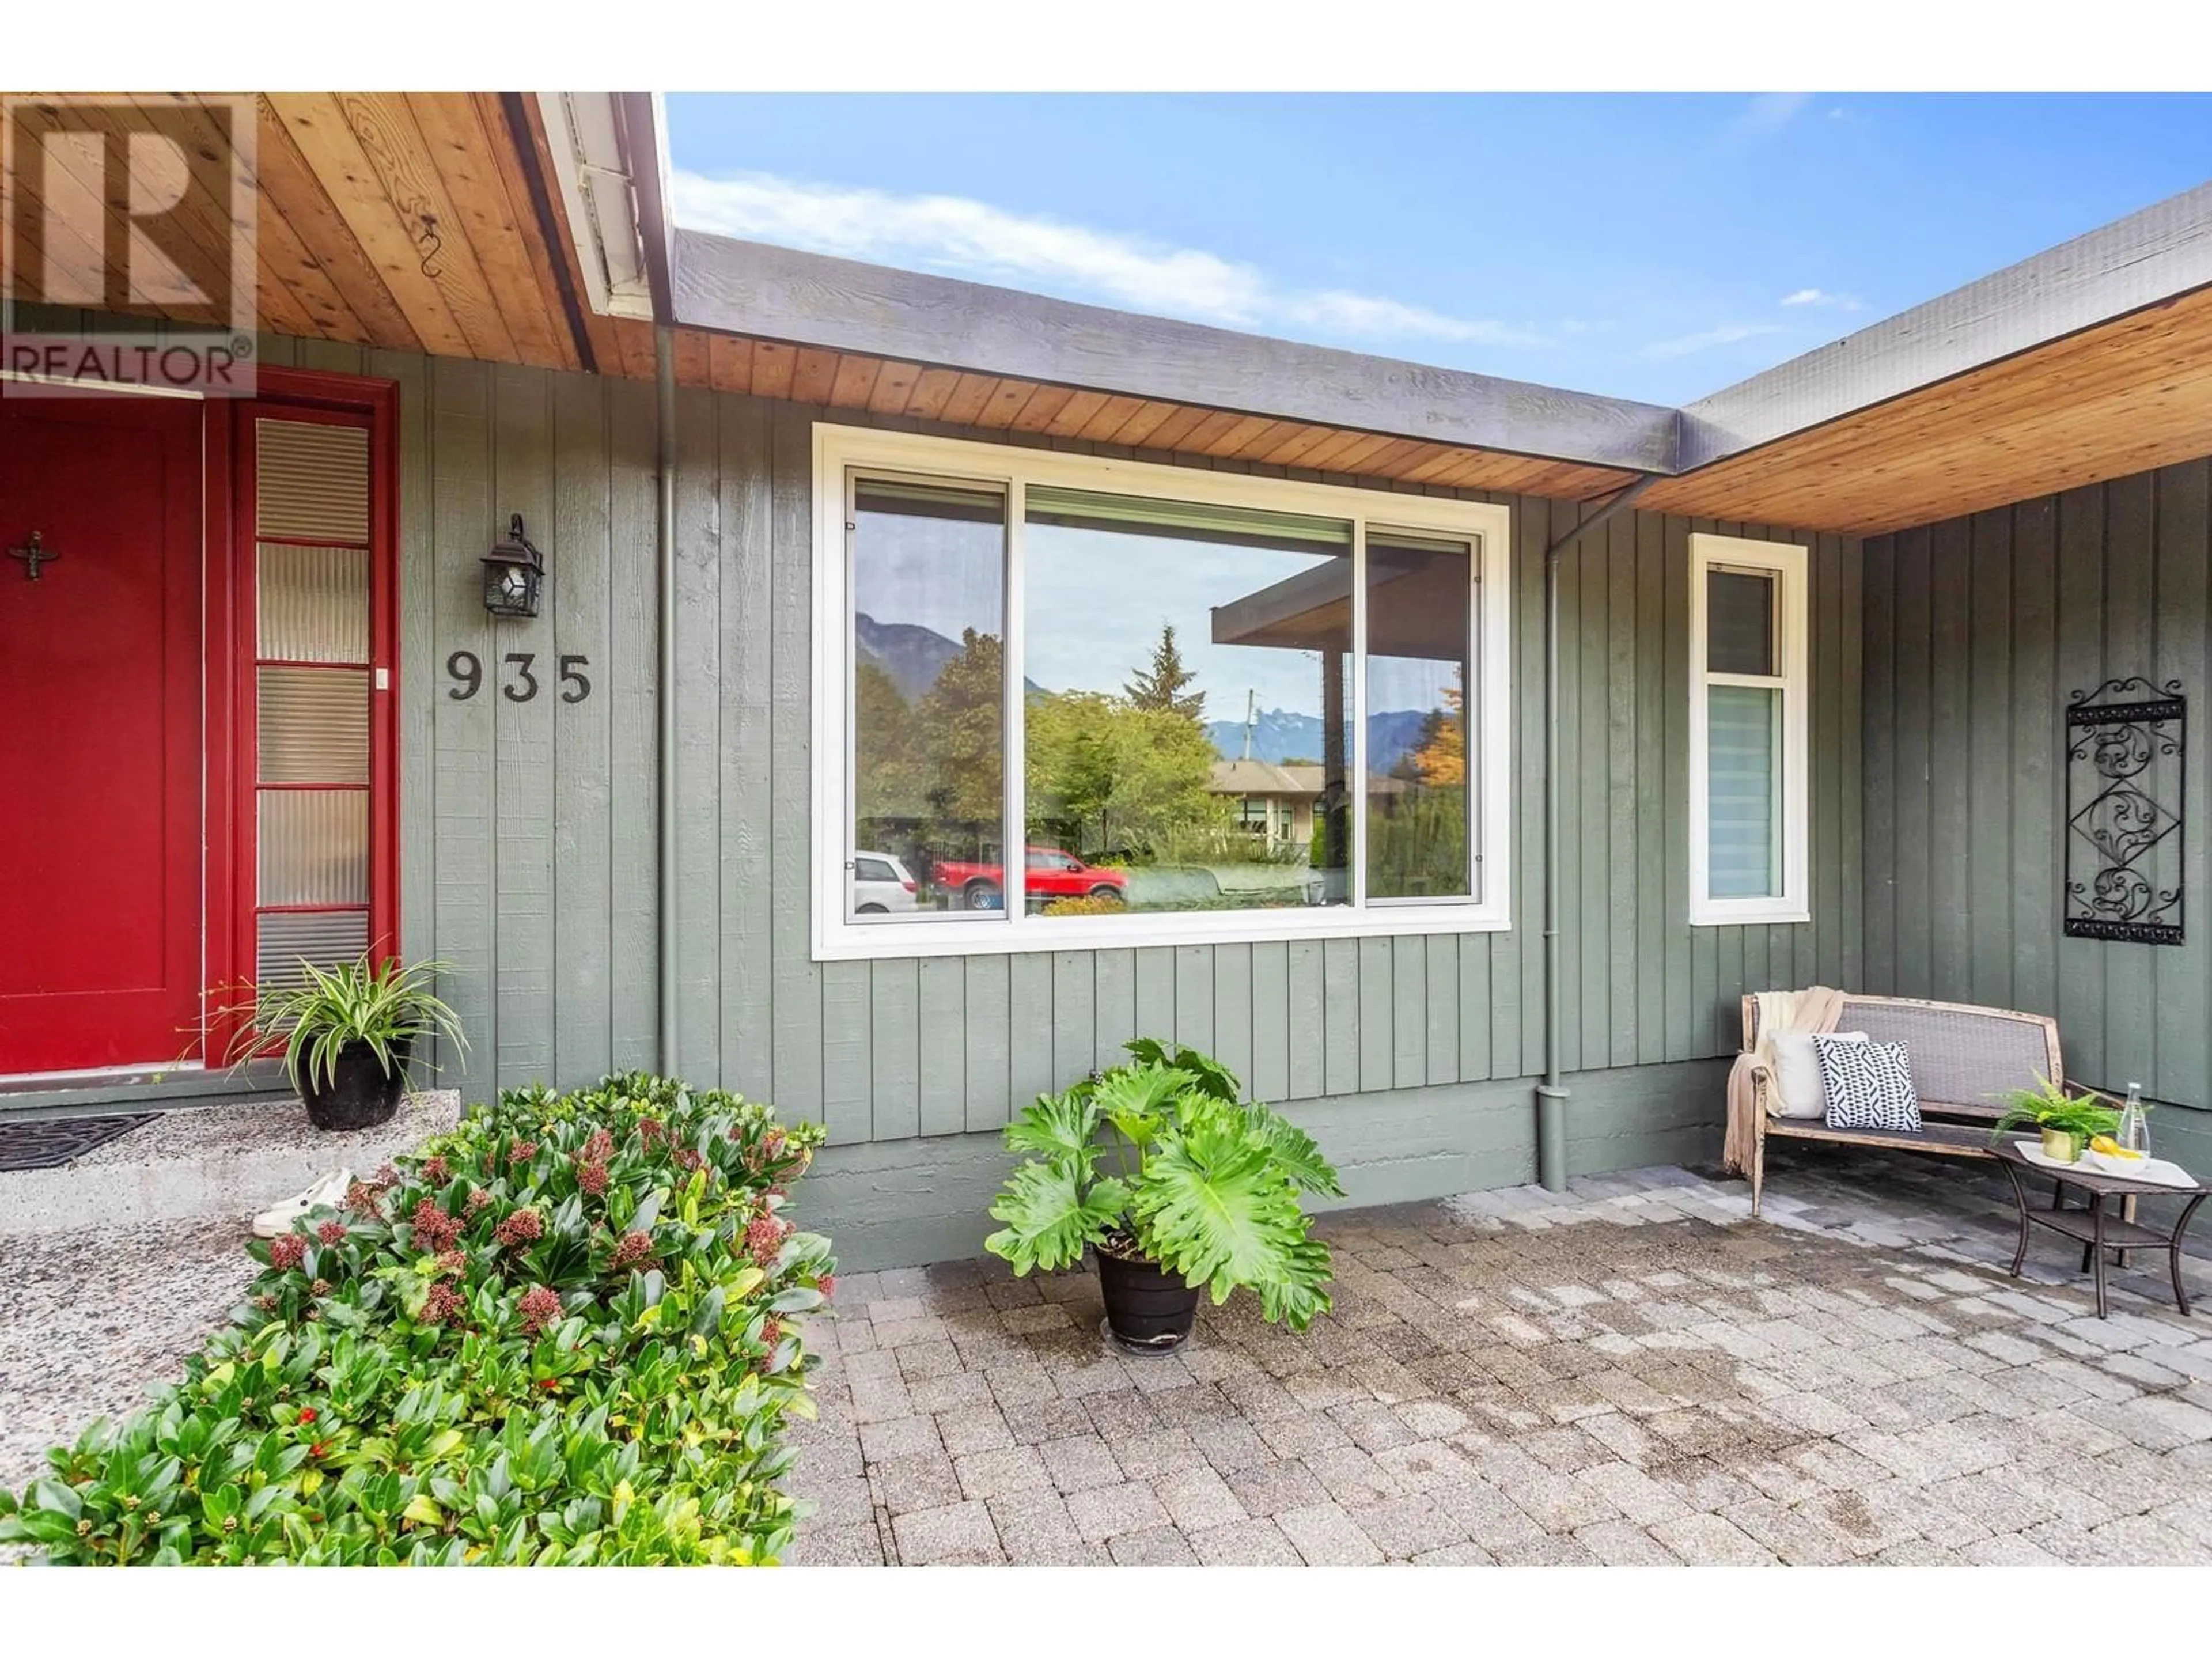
x,y
528,828
1978,631
528,859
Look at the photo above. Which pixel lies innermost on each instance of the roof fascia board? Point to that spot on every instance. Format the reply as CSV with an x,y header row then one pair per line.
x,y
735,287
2145,260
586,133
644,131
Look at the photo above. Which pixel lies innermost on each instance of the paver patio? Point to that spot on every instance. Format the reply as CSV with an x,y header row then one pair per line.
x,y
1628,1373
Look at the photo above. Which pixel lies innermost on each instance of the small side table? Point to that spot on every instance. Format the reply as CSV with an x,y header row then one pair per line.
x,y
2098,1231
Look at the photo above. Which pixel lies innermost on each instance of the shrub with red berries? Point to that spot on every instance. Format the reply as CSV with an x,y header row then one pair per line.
x,y
429,1335
435,1230
540,1308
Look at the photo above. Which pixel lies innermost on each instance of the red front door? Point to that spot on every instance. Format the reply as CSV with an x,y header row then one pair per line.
x,y
100,901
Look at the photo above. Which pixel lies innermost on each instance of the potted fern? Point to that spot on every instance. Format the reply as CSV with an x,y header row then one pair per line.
x,y
2067,1122
350,1035
1159,1167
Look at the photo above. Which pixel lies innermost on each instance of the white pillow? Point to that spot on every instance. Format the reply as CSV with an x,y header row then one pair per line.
x,y
1794,1088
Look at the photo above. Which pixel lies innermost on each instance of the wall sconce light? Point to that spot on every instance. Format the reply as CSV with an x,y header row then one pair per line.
x,y
514,571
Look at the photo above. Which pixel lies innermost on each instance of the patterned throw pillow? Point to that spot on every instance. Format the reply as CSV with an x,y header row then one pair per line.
x,y
1869,1086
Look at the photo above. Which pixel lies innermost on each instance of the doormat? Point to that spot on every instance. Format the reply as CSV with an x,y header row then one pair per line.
x,y
51,1143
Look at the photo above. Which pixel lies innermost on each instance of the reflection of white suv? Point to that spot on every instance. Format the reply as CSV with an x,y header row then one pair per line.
x,y
879,884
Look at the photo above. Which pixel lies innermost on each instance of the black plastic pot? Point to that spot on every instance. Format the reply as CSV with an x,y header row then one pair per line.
x,y
360,1095
1148,1311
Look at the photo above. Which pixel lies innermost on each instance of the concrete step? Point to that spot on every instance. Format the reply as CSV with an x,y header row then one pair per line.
x,y
225,1160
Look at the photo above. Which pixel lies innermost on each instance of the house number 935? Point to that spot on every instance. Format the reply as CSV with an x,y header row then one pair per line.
x,y
520,683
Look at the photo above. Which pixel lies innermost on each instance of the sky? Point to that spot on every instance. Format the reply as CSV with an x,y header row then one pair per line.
x,y
1657,247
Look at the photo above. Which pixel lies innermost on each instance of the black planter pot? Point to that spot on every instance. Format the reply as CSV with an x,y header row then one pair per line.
x,y
360,1095
1148,1311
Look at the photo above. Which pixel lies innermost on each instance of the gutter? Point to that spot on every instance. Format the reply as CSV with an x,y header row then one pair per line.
x,y
1551,1093
647,159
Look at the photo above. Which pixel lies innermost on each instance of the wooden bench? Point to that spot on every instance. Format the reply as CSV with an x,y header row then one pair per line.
x,y
1962,1059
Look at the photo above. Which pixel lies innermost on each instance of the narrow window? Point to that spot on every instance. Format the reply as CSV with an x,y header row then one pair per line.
x,y
1747,731
311,669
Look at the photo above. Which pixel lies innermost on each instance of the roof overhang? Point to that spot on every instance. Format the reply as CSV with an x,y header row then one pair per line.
x,y
730,287
535,230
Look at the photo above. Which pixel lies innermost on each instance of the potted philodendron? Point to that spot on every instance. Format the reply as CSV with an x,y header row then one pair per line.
x,y
350,1035
2066,1121
1160,1169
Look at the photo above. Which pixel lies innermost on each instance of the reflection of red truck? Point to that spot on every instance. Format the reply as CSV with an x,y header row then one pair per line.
x,y
1051,874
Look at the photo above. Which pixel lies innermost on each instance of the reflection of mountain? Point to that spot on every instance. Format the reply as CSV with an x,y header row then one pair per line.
x,y
1279,735
912,655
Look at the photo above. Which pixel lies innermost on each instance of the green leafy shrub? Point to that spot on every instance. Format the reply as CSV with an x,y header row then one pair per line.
x,y
1202,1183
566,1332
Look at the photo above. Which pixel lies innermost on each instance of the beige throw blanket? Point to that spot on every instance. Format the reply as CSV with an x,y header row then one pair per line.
x,y
1816,1010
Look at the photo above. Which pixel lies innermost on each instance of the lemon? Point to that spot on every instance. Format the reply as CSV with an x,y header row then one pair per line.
x,y
2103,1143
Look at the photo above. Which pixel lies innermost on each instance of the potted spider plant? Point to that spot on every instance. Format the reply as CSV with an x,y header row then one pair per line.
x,y
350,1035
1176,1186
2066,1121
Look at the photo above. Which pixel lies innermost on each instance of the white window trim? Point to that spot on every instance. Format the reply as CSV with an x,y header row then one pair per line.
x,y
1787,561
1487,526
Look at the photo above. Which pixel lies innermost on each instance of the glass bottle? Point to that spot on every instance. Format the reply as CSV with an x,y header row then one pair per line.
x,y
2135,1123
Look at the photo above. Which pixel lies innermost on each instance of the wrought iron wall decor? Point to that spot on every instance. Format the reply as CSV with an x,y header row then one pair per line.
x,y
2126,773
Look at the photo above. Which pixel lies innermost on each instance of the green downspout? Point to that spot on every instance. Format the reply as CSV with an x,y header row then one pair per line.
x,y
663,374
1551,1093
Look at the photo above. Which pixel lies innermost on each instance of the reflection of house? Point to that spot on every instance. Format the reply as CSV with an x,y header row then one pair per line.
x,y
1274,801
1279,802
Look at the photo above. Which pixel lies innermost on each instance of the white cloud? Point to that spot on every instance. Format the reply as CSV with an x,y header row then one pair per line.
x,y
1770,112
961,237
1727,334
1820,296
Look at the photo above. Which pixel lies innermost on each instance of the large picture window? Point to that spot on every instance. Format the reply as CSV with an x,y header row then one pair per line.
x,y
1749,827
1064,700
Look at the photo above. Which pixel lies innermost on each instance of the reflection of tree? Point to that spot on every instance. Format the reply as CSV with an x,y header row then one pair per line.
x,y
888,779
928,776
1417,831
1104,772
961,721
1158,686
1438,756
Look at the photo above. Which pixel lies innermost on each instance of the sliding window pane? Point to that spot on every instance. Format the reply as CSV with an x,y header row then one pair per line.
x,y
1743,741
1420,804
1187,705
929,691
